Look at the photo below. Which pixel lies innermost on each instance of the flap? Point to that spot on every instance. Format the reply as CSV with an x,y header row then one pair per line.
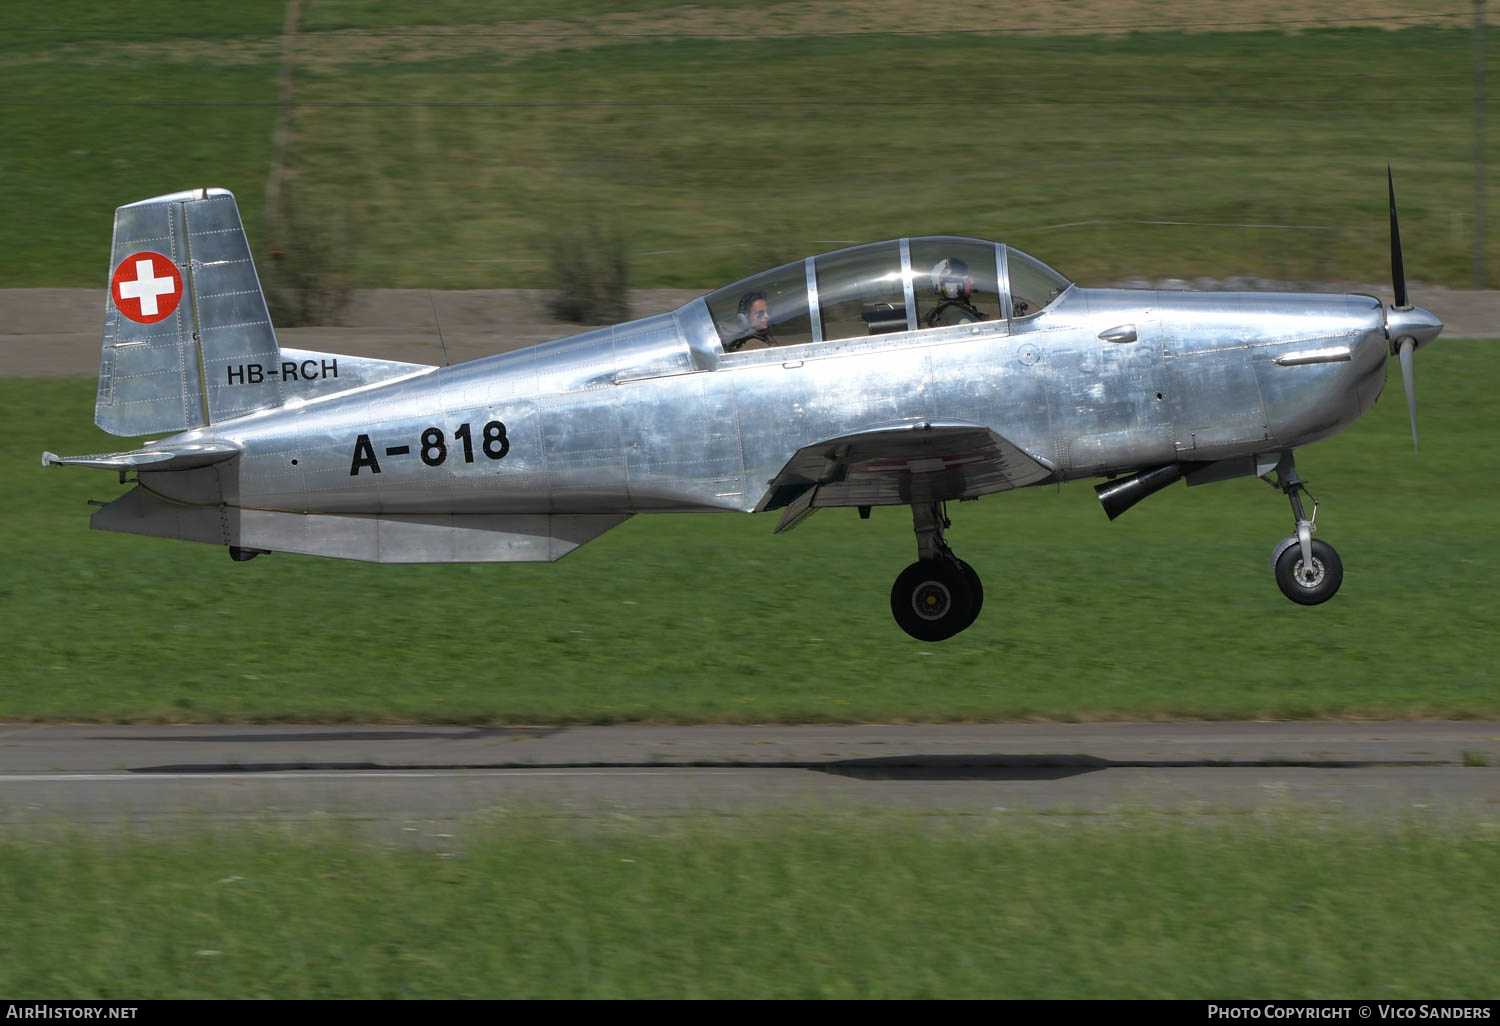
x,y
907,462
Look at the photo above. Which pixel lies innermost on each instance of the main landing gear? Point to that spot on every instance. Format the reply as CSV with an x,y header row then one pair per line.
x,y
1308,572
938,595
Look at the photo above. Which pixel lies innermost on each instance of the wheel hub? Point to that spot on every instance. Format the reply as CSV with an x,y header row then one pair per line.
x,y
1309,577
931,600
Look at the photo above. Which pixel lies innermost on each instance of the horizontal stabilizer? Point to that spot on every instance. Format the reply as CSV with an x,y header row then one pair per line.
x,y
182,456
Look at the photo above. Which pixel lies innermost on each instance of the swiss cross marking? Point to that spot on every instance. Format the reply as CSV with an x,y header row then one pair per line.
x,y
146,287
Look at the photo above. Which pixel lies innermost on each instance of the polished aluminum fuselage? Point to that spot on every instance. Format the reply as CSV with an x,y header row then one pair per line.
x,y
654,416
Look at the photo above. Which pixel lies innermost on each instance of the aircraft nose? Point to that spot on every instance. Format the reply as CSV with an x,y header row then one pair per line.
x,y
1407,330
1421,326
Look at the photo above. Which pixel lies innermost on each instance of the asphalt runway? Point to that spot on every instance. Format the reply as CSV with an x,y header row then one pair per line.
x,y
431,782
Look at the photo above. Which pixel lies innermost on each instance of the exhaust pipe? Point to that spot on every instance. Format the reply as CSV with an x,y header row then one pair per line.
x,y
1118,496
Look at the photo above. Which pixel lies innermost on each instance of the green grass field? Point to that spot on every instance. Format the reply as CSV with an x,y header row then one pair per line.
x,y
833,906
443,148
1169,612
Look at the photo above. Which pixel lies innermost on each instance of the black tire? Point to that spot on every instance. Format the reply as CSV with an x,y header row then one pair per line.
x,y
976,588
932,600
1310,589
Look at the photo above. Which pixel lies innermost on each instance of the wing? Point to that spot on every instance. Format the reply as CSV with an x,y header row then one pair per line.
x,y
904,463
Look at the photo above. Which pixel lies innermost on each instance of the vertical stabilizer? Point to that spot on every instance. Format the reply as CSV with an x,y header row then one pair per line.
x,y
187,337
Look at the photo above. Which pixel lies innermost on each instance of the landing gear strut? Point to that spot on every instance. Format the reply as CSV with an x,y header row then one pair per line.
x,y
1308,572
938,595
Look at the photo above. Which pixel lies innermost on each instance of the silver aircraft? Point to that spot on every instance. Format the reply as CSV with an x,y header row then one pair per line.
x,y
912,372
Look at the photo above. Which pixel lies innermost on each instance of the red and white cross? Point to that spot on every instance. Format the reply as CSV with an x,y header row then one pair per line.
x,y
146,287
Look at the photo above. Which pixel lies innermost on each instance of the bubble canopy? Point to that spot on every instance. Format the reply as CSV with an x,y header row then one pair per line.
x,y
900,285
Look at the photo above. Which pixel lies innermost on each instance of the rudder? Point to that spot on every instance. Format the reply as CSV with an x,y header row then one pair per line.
x,y
184,320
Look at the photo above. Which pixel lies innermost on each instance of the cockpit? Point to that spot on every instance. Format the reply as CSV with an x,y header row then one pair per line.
x,y
901,285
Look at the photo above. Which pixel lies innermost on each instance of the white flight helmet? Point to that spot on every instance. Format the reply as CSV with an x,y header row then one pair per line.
x,y
950,278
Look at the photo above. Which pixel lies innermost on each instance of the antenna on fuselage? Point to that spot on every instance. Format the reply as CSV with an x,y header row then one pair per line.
x,y
439,323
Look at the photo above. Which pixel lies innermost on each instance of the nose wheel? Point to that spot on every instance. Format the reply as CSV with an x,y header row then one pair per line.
x,y
1308,572
1309,583
939,595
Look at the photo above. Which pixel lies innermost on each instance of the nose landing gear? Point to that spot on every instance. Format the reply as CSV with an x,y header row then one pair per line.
x,y
939,595
1308,572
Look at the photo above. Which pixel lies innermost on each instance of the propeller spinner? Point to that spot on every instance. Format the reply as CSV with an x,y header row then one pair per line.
x,y
1406,327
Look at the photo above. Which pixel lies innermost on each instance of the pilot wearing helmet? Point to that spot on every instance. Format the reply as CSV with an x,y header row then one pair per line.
x,y
952,281
754,327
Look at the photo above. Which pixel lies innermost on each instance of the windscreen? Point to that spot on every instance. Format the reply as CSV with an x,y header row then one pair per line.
x,y
1033,285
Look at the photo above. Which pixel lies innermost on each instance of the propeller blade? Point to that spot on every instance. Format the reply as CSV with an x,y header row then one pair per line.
x,y
1409,378
1398,268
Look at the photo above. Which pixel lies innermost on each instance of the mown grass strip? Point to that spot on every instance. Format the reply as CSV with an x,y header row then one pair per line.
x,y
785,906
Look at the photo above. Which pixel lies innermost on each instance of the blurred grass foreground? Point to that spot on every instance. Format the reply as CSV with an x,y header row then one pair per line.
x,y
821,906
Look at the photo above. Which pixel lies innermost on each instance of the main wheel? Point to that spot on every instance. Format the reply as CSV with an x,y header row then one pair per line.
x,y
975,586
1309,586
932,600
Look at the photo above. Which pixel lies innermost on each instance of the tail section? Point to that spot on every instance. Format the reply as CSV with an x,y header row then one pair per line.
x,y
185,312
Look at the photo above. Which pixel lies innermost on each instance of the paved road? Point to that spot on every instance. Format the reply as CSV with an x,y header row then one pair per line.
x,y
433,780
